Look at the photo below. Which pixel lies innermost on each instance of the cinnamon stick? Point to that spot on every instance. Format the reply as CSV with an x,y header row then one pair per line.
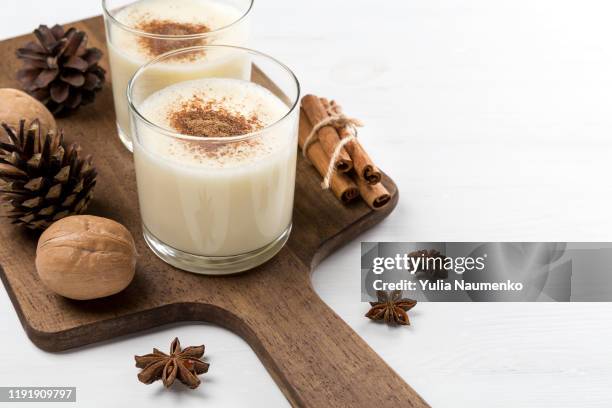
x,y
376,196
327,135
343,187
364,166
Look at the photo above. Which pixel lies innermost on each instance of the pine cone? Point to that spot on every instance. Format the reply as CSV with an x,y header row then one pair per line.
x,y
42,180
60,70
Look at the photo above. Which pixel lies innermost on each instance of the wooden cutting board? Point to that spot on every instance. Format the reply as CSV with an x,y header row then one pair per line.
x,y
313,355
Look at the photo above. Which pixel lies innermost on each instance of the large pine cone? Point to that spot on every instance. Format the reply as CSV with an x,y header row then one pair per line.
x,y
59,69
42,180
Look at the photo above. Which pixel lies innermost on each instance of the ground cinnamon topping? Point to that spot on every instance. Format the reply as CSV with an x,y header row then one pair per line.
x,y
197,117
156,46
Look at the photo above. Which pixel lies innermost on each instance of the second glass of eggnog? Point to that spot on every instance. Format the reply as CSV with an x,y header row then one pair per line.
x,y
138,31
215,161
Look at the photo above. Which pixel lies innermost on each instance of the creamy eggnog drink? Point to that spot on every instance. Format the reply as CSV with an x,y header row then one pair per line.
x,y
139,31
215,167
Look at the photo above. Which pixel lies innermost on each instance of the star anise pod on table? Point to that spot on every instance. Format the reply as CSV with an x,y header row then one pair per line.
x,y
184,365
433,269
391,308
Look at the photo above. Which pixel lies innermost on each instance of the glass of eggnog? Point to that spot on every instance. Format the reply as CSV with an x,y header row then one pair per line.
x,y
138,31
215,160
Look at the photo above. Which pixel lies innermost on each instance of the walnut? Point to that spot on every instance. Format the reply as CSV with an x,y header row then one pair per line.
x,y
16,105
86,257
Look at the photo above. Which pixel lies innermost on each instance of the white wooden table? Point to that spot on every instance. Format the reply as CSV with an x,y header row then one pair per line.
x,y
495,120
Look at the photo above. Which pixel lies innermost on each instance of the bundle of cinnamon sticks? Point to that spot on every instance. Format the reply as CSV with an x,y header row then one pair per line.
x,y
354,173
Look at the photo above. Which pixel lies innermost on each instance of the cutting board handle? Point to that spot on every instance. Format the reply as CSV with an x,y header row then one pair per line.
x,y
316,358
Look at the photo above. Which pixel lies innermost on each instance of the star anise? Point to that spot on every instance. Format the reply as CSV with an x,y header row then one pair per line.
x,y
182,364
432,269
391,308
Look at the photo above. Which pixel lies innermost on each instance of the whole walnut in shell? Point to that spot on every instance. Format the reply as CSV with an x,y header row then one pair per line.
x,y
86,257
16,105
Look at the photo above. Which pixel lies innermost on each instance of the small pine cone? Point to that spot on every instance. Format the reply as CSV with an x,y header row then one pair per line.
x,y
59,69
42,179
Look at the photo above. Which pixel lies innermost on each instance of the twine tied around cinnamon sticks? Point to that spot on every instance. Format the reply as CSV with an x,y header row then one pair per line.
x,y
338,121
328,138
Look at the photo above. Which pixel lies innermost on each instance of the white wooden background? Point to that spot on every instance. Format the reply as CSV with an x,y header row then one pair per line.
x,y
494,118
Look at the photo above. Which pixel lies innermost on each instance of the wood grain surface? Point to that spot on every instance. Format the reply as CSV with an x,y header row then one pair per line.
x,y
315,358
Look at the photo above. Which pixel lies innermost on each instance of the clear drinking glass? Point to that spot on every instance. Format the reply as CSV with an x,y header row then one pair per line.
x,y
215,204
138,31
